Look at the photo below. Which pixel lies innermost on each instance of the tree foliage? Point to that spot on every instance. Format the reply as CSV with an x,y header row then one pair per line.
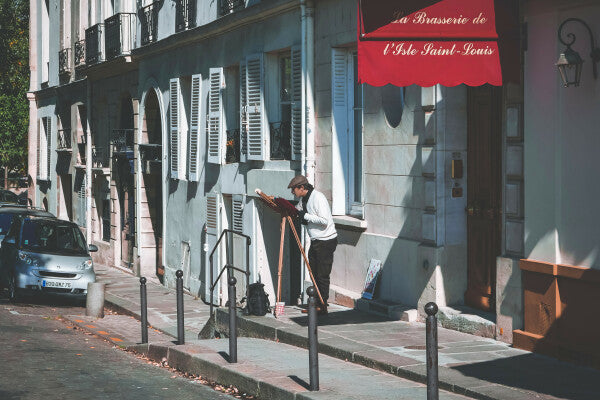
x,y
14,82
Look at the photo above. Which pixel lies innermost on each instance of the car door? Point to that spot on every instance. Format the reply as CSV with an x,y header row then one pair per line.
x,y
9,249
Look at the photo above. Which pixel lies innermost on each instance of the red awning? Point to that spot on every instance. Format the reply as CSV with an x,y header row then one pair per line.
x,y
428,42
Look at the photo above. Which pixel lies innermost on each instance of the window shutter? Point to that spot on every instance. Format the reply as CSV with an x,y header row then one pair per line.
x,y
174,95
216,153
340,128
39,149
48,146
213,227
195,128
238,212
243,114
297,91
257,134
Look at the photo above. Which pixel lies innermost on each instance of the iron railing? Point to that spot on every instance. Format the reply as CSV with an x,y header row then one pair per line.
x,y
281,147
79,53
64,61
149,23
81,147
232,146
185,14
64,140
94,44
122,140
120,34
230,6
99,157
151,152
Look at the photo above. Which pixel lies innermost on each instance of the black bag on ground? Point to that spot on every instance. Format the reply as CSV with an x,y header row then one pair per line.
x,y
258,300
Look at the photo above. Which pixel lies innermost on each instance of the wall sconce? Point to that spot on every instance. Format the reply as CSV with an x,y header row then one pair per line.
x,y
570,62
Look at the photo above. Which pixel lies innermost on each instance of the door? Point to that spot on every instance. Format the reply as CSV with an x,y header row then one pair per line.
x,y
483,194
127,203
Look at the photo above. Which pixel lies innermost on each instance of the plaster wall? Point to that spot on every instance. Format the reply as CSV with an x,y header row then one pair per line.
x,y
561,141
414,226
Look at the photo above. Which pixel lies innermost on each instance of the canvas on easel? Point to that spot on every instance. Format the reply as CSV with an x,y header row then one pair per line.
x,y
371,279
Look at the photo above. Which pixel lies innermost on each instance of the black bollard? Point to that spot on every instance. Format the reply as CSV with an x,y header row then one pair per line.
x,y
180,327
431,343
144,310
232,321
313,339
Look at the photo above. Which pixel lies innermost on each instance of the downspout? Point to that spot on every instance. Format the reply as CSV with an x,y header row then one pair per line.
x,y
88,163
33,119
308,117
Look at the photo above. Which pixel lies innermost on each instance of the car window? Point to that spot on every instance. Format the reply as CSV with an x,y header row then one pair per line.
x,y
50,237
5,221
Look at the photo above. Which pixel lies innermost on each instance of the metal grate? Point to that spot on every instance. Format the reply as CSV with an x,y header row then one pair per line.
x,y
120,35
185,14
230,6
79,53
94,44
64,61
149,23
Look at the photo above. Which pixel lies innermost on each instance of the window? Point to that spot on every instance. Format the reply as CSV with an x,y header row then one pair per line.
x,y
44,148
179,108
45,42
347,146
231,103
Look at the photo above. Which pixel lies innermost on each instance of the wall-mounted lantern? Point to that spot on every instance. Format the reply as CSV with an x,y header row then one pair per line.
x,y
570,62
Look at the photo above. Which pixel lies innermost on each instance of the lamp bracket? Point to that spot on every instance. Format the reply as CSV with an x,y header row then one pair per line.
x,y
595,51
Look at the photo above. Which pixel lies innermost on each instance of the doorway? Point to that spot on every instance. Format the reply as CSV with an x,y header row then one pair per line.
x,y
484,167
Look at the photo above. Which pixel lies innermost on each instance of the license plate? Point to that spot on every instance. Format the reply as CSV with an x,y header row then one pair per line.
x,y
54,284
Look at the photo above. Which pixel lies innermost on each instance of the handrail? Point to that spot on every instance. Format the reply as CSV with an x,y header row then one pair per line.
x,y
228,266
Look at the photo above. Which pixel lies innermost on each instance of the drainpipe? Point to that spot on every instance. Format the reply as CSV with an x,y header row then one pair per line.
x,y
33,115
307,10
88,163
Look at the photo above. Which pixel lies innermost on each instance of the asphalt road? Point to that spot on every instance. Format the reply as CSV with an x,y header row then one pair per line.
x,y
43,358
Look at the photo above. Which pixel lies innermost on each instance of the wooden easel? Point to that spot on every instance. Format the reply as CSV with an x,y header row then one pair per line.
x,y
285,216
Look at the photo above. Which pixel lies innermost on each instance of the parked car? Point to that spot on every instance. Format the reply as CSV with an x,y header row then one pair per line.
x,y
8,213
45,255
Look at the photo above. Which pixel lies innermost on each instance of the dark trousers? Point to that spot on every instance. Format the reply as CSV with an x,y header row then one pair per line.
x,y
320,258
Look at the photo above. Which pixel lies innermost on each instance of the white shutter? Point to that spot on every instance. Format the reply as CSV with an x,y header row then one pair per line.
x,y
174,123
243,114
340,126
48,146
258,142
39,149
216,143
238,212
213,228
297,91
194,156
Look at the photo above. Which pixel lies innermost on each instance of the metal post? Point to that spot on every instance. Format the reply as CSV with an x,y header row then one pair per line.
x,y
180,327
431,343
144,311
313,340
232,321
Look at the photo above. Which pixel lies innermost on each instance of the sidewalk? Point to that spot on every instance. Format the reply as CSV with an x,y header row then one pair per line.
x,y
350,340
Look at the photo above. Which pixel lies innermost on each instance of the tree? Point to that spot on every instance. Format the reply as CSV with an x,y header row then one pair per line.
x,y
14,84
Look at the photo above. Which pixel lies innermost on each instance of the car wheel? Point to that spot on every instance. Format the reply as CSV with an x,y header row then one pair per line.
x,y
13,291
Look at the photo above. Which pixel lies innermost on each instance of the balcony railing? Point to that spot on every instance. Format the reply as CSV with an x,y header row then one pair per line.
x,y
81,151
230,6
64,140
185,14
281,148
120,34
99,157
79,53
94,44
149,23
64,61
151,152
232,146
122,140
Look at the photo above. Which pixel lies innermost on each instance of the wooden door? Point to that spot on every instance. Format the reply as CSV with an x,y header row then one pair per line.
x,y
483,194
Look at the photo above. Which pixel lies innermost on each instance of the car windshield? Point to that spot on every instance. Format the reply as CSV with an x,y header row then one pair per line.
x,y
5,221
52,237
9,197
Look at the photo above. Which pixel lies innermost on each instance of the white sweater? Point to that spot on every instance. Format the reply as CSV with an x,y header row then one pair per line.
x,y
320,224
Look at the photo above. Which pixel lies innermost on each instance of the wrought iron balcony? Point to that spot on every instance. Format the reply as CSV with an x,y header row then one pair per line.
x,y
232,146
281,148
151,152
81,154
230,6
64,140
99,157
79,53
149,23
185,14
122,141
64,61
94,44
120,34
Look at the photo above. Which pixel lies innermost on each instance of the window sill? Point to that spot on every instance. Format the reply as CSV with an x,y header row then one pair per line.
x,y
349,223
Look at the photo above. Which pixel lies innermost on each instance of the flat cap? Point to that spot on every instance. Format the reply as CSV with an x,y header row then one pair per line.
x,y
298,180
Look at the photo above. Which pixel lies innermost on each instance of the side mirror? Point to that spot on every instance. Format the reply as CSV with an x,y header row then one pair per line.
x,y
92,248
